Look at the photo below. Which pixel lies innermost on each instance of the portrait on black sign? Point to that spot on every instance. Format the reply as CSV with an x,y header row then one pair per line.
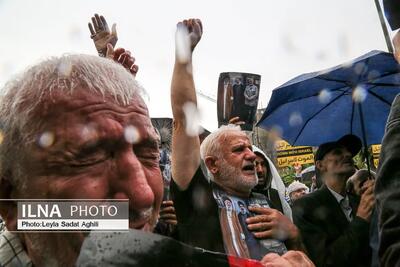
x,y
238,97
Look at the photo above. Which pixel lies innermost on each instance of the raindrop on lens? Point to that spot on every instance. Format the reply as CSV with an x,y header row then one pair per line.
x,y
373,75
131,134
182,44
359,94
64,68
324,96
276,132
348,64
295,119
192,117
359,68
88,132
46,139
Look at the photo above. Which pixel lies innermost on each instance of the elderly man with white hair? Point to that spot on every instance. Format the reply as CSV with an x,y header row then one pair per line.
x,y
296,190
222,169
63,126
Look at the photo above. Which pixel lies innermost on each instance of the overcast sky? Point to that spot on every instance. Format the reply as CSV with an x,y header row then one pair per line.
x,y
276,39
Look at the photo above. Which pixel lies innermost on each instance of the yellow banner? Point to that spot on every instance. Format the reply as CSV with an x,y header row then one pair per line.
x,y
288,155
376,150
376,163
290,161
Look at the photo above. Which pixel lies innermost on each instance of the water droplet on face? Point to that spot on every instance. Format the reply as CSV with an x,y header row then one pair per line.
x,y
182,44
46,139
88,132
359,94
295,119
192,117
64,68
131,134
324,96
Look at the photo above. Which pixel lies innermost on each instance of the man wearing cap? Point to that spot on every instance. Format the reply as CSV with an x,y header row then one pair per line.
x,y
296,190
335,225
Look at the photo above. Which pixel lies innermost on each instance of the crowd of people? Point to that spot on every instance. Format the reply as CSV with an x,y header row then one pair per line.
x,y
225,194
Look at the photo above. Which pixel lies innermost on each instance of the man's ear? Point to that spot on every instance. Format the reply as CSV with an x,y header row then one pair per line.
x,y
319,165
8,207
211,163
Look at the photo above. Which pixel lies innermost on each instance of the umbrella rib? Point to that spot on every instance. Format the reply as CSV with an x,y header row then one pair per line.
x,y
347,83
304,97
379,97
331,80
315,114
387,74
382,84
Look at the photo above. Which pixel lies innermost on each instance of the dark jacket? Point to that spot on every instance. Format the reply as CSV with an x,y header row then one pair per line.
x,y
392,13
387,190
330,239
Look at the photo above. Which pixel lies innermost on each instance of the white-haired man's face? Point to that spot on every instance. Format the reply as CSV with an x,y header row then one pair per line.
x,y
234,168
297,194
94,149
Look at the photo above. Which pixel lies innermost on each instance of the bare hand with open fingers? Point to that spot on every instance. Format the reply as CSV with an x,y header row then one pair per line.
x,y
271,223
101,34
367,201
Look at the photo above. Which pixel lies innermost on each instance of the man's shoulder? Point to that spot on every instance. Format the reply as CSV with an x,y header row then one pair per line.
x,y
199,179
310,203
12,252
311,198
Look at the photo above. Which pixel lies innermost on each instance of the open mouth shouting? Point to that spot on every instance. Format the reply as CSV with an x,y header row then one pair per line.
x,y
248,168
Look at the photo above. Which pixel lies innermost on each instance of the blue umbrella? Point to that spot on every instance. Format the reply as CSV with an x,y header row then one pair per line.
x,y
352,98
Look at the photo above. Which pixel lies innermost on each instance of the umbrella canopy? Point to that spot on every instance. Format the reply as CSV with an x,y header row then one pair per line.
x,y
319,107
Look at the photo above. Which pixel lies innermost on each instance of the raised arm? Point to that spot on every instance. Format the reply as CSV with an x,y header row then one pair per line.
x,y
101,34
185,146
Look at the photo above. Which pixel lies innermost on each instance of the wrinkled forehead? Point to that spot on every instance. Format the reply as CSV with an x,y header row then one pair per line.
x,y
232,138
82,98
301,189
64,113
259,158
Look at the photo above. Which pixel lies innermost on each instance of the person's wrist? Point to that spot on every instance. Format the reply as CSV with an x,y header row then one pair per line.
x,y
182,58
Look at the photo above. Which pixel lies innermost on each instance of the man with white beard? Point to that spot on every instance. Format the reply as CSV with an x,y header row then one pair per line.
x,y
223,167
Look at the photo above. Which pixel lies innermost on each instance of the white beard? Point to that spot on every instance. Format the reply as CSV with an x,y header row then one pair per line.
x,y
231,177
